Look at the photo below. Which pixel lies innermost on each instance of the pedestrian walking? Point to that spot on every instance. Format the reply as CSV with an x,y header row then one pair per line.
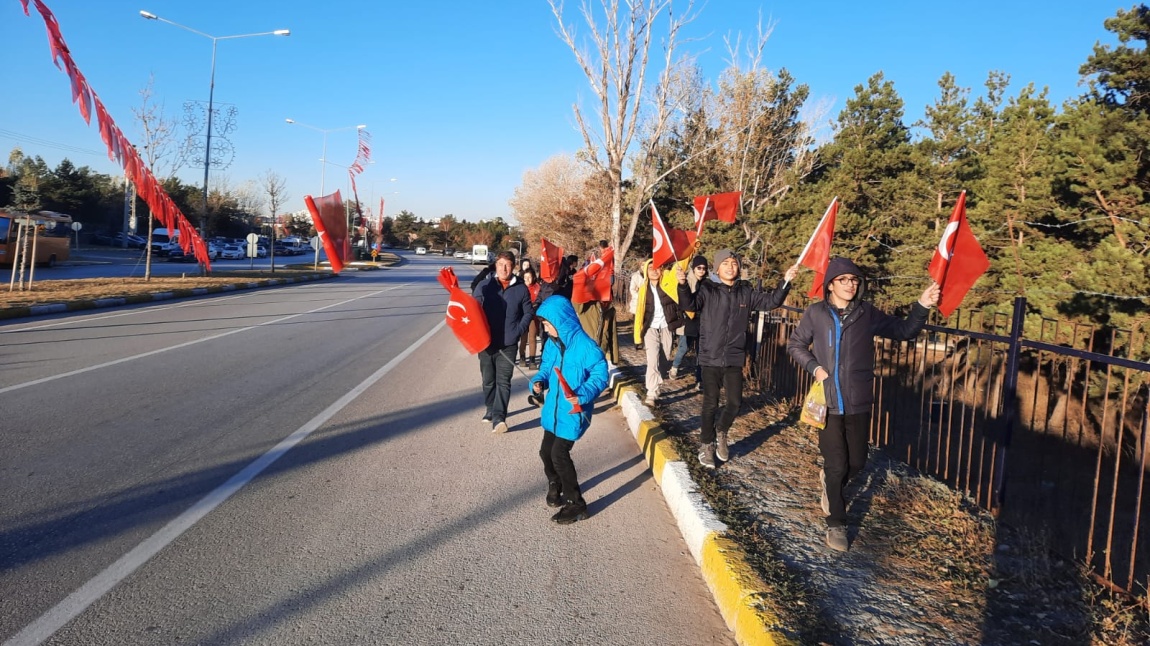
x,y
689,339
656,320
528,340
724,310
834,342
570,358
507,306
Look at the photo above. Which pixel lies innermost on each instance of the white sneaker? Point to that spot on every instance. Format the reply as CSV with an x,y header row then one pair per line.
x,y
501,427
673,374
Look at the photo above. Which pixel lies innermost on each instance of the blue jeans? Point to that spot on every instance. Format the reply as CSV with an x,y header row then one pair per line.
x,y
497,370
685,343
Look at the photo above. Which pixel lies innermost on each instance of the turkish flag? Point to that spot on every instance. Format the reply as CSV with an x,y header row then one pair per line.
x,y
330,222
817,254
593,282
720,206
667,242
958,261
465,315
549,261
567,392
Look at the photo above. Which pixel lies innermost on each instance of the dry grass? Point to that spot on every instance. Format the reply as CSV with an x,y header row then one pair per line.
x,y
63,291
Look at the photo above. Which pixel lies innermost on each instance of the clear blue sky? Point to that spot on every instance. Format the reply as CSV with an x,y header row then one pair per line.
x,y
461,97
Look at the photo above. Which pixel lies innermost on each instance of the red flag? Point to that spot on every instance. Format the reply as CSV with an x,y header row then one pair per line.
x,y
817,254
720,206
465,315
331,223
549,261
567,392
667,242
593,282
958,261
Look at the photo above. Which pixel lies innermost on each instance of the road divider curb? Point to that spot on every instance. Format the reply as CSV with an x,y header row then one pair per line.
x,y
741,595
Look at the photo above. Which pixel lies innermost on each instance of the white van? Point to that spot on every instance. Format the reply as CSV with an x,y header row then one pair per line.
x,y
480,255
162,240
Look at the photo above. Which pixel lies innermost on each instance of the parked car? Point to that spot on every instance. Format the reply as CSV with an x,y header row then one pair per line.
x,y
461,254
421,251
448,251
176,254
232,252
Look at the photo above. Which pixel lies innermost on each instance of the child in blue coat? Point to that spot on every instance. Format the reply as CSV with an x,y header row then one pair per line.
x,y
584,368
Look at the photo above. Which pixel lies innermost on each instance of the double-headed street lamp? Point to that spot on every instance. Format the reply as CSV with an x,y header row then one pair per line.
x,y
211,96
324,161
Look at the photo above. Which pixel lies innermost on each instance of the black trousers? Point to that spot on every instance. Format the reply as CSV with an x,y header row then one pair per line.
x,y
730,379
497,370
843,444
556,455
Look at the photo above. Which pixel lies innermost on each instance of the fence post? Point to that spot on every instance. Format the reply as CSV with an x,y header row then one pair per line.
x,y
1009,397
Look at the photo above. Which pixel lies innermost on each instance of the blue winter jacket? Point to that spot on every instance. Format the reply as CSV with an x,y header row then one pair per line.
x,y
582,363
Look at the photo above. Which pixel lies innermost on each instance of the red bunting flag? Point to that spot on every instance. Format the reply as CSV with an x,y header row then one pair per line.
x,y
958,261
720,206
668,243
593,282
549,261
817,254
465,315
331,224
567,392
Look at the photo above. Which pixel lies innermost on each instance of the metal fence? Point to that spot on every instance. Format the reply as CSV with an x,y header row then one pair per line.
x,y
1047,430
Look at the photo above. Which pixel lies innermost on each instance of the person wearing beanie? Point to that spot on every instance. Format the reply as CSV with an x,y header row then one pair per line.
x,y
724,312
834,342
689,339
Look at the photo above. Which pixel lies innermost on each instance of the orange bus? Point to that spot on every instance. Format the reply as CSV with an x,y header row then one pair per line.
x,y
51,236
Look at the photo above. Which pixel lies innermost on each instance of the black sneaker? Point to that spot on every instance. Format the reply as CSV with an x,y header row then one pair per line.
x,y
570,513
554,494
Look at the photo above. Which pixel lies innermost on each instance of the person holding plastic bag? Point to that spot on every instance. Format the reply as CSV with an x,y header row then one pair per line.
x,y
834,341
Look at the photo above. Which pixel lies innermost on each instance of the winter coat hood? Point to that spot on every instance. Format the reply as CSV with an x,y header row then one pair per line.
x,y
559,312
582,364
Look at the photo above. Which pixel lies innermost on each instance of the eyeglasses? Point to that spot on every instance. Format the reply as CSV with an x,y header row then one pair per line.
x,y
848,280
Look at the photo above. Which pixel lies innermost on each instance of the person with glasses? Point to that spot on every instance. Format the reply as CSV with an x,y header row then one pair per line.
x,y
834,341
724,310
689,339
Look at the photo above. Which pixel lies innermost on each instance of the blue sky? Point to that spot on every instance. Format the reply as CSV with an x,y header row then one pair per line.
x,y
461,97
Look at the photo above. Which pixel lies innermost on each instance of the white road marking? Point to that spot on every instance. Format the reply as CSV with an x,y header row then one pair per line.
x,y
74,604
142,355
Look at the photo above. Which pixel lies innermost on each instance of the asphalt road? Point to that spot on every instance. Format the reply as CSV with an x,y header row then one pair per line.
x,y
306,464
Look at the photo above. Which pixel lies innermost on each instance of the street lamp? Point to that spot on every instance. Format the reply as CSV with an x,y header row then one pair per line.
x,y
211,96
323,168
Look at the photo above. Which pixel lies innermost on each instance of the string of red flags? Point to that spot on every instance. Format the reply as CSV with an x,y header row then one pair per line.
x,y
817,254
120,149
464,315
327,214
567,392
958,261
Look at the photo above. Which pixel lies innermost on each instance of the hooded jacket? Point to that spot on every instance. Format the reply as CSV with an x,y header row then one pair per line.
x,y
508,311
724,314
842,341
645,310
583,366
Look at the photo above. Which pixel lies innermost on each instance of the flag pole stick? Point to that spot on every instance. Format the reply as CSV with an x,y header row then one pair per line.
x,y
814,233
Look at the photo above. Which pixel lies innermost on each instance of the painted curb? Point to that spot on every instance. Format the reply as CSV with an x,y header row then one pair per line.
x,y
737,589
73,306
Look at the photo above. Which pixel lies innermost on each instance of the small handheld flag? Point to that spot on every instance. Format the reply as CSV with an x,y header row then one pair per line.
x,y
567,392
958,261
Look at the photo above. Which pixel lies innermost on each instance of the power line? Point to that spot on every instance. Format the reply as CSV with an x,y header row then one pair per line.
x,y
8,134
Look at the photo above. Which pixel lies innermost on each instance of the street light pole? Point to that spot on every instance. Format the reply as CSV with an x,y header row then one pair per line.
x,y
324,132
211,98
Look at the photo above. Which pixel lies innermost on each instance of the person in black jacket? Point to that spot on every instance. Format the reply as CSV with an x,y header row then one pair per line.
x,y
724,310
507,306
689,339
834,341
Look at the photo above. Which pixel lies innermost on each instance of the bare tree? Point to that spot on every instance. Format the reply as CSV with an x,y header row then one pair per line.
x,y
616,68
275,188
160,151
561,201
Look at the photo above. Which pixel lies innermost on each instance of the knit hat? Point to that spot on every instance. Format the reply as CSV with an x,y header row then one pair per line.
x,y
723,254
698,260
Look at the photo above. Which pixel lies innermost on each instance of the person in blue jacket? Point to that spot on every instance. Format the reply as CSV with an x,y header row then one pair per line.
x,y
584,368
834,342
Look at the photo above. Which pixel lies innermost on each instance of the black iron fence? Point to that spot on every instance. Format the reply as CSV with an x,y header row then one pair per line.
x,y
1047,430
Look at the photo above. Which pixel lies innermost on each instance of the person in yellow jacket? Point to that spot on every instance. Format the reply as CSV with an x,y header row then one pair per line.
x,y
657,317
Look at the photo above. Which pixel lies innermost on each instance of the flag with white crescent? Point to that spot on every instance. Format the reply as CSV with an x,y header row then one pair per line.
x,y
958,261
465,315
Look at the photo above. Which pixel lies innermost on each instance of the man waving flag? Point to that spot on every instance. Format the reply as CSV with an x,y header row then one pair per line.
x,y
958,261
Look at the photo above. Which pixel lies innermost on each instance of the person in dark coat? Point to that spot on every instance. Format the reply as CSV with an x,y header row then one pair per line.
x,y
507,306
689,339
724,310
834,341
